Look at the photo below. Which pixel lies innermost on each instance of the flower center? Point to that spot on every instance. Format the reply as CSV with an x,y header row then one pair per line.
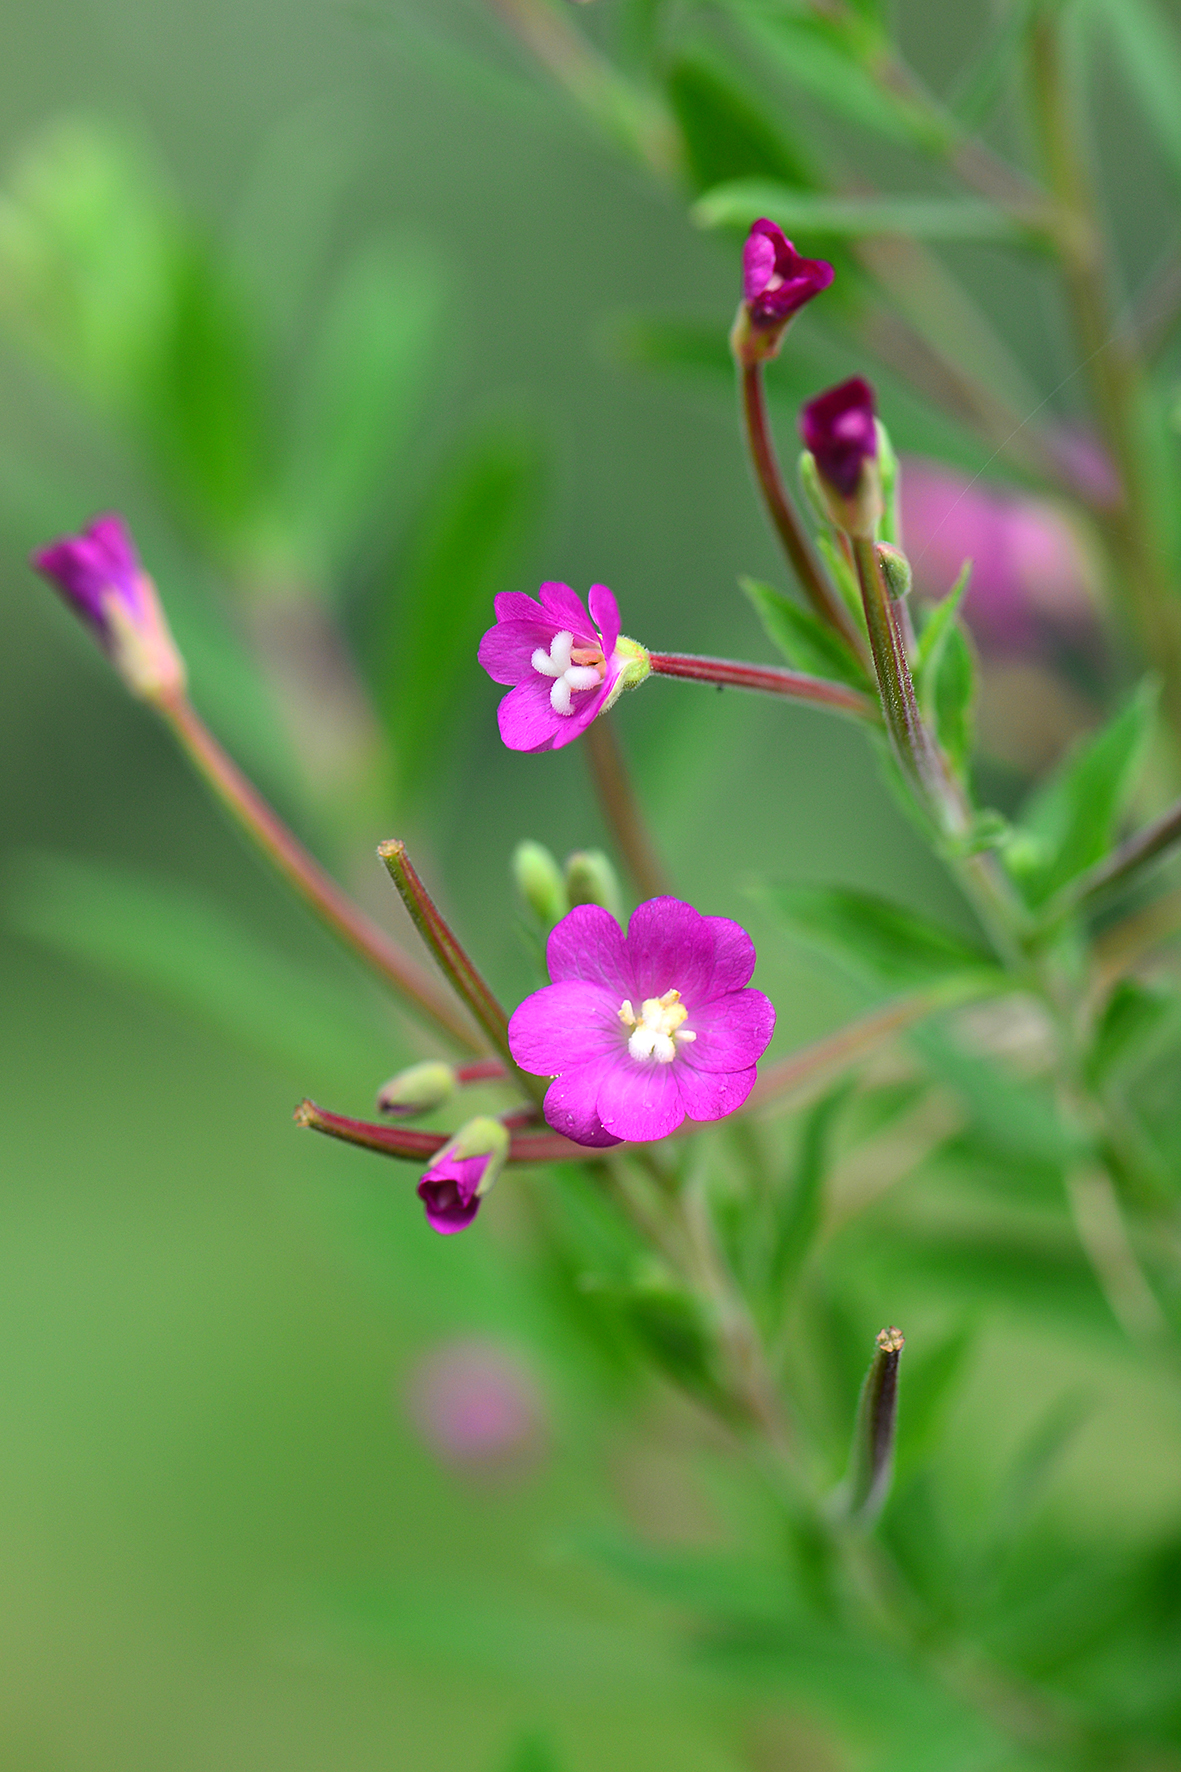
x,y
657,1028
573,668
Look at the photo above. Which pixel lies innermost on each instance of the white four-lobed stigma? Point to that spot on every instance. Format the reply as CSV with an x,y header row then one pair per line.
x,y
657,1028
572,668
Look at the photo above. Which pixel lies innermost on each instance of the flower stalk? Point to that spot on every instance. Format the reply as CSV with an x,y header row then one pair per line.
x,y
731,673
420,1147
621,809
319,891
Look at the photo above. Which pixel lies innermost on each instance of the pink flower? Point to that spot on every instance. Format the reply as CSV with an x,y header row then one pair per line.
x,y
640,1031
100,577
776,280
838,427
477,1406
566,666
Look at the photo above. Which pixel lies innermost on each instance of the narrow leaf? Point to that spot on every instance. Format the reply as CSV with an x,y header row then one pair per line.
x,y
743,201
797,1211
805,643
1150,56
951,694
163,936
876,940
1069,823
939,621
468,542
725,133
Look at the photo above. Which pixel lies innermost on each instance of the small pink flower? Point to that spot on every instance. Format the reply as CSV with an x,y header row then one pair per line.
x,y
462,1173
643,1030
477,1407
777,281
566,666
100,576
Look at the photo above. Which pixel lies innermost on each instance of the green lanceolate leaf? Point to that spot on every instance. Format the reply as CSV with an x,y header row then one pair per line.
x,y
162,935
488,500
877,941
983,85
939,621
951,695
797,1211
803,641
1014,1117
932,1372
726,135
743,201
1149,53
1069,823
363,384
1134,1013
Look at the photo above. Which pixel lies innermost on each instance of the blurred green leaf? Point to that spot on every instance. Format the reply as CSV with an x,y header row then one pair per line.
x,y
938,622
488,500
365,380
205,417
1014,1116
949,689
804,212
1133,1014
164,936
797,1210
533,1753
707,1581
86,241
726,134
875,939
830,58
805,643
1149,53
931,1375
671,1327
980,89
1068,824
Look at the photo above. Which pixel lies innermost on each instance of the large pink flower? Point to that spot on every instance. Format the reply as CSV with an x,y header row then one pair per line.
x,y
643,1030
565,666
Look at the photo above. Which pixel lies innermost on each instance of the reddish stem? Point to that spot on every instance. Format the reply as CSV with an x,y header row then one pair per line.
x,y
303,872
767,680
620,808
485,1070
420,1147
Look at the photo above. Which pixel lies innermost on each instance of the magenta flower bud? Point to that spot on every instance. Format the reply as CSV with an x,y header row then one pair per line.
x,y
776,283
100,576
462,1173
642,1031
839,428
566,666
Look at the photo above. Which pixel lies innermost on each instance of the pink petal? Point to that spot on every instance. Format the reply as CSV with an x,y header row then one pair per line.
x,y
640,1099
711,1095
605,615
585,708
732,1032
570,1103
564,1025
734,956
515,606
506,651
758,262
567,610
588,944
527,721
671,947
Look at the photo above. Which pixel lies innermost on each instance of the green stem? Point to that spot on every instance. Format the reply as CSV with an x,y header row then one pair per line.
x,y
621,809
454,963
303,872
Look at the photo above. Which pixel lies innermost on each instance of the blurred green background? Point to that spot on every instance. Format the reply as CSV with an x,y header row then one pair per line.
x,y
223,1543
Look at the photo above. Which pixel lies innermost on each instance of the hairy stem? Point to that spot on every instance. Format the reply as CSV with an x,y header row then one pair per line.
x,y
262,824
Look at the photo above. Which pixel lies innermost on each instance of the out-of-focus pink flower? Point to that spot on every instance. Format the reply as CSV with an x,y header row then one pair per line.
x,y
1033,588
839,428
777,281
476,1406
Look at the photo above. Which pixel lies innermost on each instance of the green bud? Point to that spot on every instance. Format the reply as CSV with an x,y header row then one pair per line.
x,y
895,570
419,1090
813,491
637,667
590,879
539,881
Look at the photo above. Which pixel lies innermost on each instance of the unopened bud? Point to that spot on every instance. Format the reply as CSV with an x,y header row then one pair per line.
x,y
890,471
100,576
840,433
590,879
462,1173
419,1090
777,282
895,570
539,881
